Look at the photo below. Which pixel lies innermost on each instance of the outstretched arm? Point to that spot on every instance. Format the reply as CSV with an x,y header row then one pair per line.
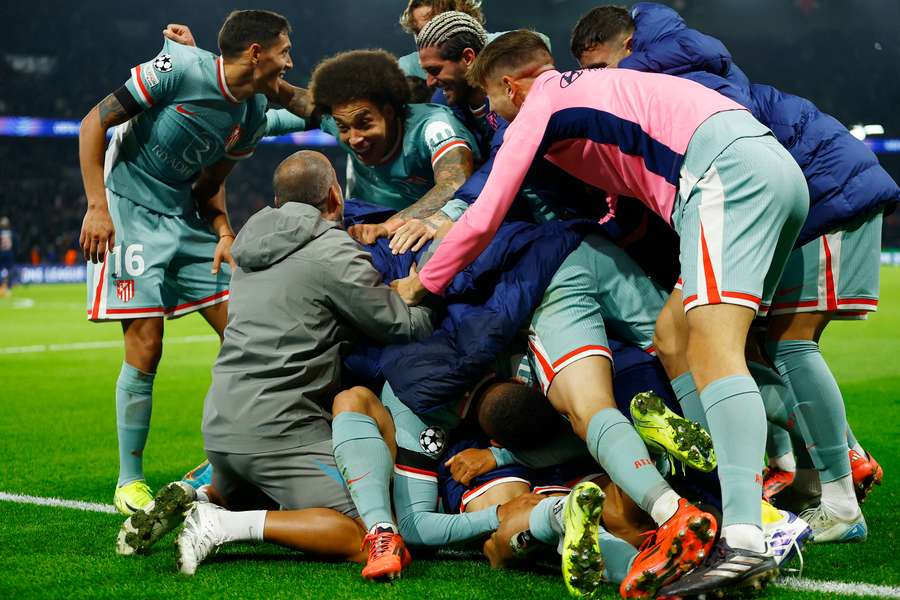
x,y
209,193
97,231
412,227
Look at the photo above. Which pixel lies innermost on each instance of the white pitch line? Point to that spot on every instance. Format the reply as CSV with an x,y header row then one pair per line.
x,y
790,583
838,587
60,502
190,339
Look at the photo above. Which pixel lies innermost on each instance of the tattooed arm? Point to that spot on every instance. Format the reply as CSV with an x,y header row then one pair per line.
x,y
299,101
416,224
97,232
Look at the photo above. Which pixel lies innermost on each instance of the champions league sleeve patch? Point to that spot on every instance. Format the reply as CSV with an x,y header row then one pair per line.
x,y
163,63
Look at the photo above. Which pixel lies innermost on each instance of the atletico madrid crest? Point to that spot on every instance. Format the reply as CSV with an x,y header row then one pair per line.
x,y
125,289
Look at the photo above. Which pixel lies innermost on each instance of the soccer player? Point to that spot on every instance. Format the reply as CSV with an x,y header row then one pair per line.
x,y
409,157
156,230
614,129
830,276
415,16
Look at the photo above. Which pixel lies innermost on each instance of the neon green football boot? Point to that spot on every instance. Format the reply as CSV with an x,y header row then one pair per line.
x,y
582,562
132,497
662,429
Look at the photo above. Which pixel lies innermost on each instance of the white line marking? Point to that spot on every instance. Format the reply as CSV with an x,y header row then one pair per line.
x,y
60,502
788,583
838,587
190,339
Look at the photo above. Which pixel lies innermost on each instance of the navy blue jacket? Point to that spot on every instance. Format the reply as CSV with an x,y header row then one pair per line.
x,y
486,304
844,177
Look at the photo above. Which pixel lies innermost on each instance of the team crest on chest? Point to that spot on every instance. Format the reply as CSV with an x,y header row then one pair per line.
x,y
163,63
233,136
125,289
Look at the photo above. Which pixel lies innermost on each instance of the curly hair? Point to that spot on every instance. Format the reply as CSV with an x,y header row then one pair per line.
x,y
360,75
470,7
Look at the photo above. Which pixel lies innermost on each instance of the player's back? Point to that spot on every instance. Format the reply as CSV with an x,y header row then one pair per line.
x,y
190,121
622,131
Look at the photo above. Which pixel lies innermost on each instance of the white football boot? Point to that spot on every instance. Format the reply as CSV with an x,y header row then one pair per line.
x,y
201,536
828,527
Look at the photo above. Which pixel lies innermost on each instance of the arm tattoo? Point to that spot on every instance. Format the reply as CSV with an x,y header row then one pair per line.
x,y
301,103
450,172
117,108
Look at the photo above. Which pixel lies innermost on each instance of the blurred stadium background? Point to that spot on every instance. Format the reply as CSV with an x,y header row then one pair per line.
x,y
61,58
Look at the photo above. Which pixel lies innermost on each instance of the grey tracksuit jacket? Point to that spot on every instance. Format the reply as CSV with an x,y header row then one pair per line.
x,y
303,292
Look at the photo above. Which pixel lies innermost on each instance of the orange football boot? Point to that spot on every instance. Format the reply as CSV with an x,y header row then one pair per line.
x,y
775,480
679,545
863,474
388,555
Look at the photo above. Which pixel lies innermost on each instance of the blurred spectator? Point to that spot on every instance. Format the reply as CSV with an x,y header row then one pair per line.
x,y
7,260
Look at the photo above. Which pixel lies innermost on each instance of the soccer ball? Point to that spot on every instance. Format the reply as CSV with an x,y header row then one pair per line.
x,y
163,63
432,440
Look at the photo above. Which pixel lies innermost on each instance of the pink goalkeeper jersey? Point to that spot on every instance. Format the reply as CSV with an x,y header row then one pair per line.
x,y
622,131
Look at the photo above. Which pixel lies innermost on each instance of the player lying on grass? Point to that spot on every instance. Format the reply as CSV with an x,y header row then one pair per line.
x,y
302,292
156,231
410,157
828,277
606,127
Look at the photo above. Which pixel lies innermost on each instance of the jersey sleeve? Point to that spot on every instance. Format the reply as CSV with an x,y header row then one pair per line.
x,y
476,228
442,133
156,81
281,121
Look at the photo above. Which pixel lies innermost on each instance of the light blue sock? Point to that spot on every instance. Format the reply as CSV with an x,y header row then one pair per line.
x,y
820,404
780,404
778,441
545,522
617,447
618,555
686,391
364,460
420,524
134,400
852,442
737,422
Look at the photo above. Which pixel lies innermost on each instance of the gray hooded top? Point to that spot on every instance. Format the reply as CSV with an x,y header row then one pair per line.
x,y
303,292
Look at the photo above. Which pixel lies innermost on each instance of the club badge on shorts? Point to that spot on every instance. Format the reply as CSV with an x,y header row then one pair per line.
x,y
125,289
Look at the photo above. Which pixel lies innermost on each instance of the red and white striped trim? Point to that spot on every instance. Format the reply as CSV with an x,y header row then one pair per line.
x,y
414,473
679,284
481,489
97,311
751,301
189,307
220,78
546,490
547,370
845,307
145,96
440,152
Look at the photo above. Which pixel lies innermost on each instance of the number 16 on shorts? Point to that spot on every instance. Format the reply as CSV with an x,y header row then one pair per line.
x,y
131,260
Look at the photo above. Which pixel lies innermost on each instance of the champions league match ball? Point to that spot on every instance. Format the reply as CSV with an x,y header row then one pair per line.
x,y
432,440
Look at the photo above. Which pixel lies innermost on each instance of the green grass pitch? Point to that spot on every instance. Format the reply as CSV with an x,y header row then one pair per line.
x,y
57,438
